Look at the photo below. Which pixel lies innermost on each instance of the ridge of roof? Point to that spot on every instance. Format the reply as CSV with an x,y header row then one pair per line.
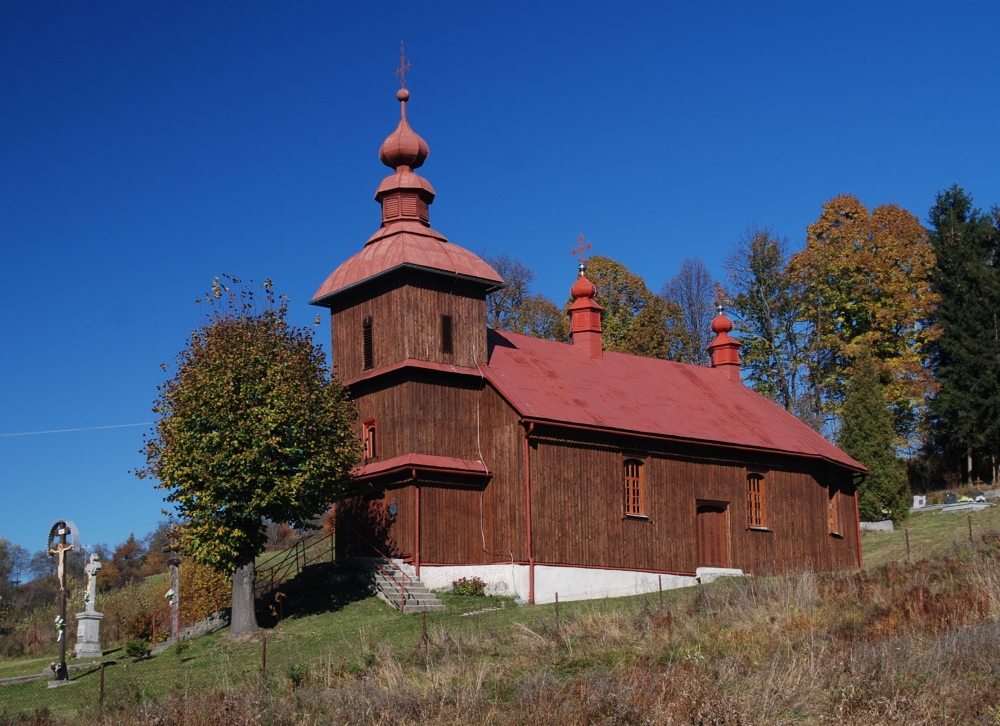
x,y
545,379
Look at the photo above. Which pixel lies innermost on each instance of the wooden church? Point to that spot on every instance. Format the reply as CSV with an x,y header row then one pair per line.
x,y
545,467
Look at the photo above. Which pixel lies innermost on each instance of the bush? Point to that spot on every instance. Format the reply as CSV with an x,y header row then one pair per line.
x,y
469,586
181,648
137,648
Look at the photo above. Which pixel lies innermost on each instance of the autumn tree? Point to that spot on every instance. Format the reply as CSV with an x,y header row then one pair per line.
x,y
768,312
867,434
865,282
965,413
635,320
692,290
516,309
251,426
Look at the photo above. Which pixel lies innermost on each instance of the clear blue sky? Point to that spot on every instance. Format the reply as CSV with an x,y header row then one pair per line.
x,y
147,146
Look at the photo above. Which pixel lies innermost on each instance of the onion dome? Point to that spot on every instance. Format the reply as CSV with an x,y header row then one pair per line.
x,y
403,147
721,324
724,351
583,287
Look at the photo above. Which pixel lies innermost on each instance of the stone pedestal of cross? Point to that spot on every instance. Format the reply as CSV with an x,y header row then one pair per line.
x,y
88,629
174,561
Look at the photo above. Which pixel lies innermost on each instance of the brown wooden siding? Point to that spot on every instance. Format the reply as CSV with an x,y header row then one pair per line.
x,y
577,494
406,322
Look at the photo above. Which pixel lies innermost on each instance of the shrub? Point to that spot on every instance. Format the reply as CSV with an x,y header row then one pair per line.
x,y
469,586
137,648
181,648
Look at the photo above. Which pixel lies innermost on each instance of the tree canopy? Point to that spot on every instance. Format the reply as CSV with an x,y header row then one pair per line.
x,y
516,309
251,426
693,291
865,280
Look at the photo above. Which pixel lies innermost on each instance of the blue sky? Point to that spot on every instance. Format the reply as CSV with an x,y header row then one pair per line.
x,y
146,147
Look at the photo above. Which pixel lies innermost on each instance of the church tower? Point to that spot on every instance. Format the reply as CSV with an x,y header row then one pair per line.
x,y
409,294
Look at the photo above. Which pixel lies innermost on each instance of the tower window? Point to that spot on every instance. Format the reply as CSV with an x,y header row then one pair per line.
x,y
370,439
447,342
756,513
368,345
634,506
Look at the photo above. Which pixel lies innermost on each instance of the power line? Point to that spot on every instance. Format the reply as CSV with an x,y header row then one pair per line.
x,y
66,431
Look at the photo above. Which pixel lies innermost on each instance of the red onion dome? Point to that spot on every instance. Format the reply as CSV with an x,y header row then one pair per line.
x,y
721,324
403,147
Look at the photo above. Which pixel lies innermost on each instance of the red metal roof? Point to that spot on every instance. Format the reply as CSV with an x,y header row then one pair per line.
x,y
448,464
556,382
406,243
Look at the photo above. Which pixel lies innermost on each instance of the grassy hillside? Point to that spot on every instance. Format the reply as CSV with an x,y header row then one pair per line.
x,y
913,643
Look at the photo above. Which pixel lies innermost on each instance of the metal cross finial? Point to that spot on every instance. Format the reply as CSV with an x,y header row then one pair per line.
x,y
581,249
403,66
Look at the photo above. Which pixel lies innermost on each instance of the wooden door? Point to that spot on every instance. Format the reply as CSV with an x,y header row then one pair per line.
x,y
713,535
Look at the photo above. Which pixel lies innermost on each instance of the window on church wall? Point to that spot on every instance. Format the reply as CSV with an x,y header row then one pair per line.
x,y
447,341
833,512
756,507
634,486
368,344
370,439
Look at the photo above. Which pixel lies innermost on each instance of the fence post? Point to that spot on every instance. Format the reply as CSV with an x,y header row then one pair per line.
x,y
557,611
263,657
101,701
660,580
970,527
906,531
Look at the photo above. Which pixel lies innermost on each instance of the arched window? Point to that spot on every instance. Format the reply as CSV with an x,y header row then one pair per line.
x,y
756,511
367,343
634,486
370,439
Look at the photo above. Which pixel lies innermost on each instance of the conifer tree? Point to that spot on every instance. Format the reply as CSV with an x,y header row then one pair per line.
x,y
965,413
868,435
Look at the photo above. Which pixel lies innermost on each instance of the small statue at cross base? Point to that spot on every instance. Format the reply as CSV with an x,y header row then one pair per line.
x,y
92,568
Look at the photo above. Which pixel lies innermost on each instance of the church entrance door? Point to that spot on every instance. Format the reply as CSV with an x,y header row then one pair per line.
x,y
713,534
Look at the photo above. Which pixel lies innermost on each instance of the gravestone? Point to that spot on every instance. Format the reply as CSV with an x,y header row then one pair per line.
x,y
950,498
88,630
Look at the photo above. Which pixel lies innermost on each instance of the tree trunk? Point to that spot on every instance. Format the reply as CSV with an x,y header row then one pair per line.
x,y
244,618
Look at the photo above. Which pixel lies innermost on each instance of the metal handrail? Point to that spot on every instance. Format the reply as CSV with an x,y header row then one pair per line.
x,y
291,564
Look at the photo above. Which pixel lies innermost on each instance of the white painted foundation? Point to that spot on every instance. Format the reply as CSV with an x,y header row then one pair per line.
x,y
572,583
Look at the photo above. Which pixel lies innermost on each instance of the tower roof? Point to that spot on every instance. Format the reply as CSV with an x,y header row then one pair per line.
x,y
405,238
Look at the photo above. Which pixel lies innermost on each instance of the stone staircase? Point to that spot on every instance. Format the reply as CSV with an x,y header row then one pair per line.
x,y
418,598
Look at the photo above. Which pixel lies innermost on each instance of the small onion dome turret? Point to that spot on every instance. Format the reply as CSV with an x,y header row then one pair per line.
x,y
403,147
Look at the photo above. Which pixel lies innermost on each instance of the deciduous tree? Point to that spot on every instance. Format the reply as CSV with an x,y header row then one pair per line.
x,y
768,315
251,426
516,309
865,282
693,291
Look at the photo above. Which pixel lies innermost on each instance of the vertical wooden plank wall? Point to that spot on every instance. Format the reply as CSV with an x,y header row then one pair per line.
x,y
406,314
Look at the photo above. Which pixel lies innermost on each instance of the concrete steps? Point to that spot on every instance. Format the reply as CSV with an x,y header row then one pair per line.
x,y
418,598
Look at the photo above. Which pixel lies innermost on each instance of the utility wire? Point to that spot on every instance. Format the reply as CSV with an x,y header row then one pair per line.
x,y
66,431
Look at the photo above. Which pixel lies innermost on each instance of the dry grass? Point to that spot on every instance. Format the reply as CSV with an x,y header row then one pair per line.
x,y
915,644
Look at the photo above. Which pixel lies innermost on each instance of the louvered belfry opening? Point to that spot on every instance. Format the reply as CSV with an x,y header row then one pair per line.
x,y
447,342
367,343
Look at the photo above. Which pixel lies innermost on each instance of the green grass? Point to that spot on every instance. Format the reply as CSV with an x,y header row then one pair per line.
x,y
342,641
345,637
931,534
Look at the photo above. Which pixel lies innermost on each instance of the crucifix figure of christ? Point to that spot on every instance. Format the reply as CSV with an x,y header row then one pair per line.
x,y
63,538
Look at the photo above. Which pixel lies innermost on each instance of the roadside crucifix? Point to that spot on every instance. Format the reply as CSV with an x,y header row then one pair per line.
x,y
63,538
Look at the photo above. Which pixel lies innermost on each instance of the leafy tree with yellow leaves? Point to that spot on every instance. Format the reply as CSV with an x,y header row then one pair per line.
x,y
864,276
252,425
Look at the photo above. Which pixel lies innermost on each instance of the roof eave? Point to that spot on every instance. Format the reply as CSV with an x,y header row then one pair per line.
x,y
326,301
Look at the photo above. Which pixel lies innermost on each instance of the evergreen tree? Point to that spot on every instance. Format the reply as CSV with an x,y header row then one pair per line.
x,y
965,413
868,434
